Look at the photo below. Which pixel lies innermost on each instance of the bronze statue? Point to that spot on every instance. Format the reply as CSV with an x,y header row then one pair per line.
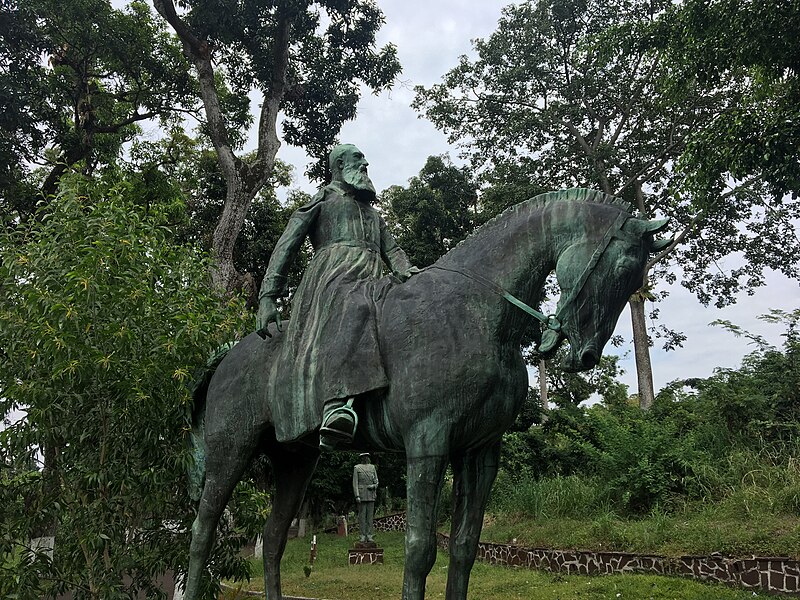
x,y
365,488
329,353
449,342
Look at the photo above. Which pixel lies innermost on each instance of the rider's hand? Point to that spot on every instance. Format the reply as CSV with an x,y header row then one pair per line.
x,y
406,275
267,313
358,498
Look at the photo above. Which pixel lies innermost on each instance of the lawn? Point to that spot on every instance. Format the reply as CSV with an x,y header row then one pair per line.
x,y
697,532
333,579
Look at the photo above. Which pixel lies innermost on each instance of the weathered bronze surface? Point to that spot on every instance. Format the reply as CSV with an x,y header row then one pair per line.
x,y
449,345
330,349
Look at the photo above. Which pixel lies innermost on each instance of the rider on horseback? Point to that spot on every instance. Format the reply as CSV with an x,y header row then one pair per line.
x,y
329,353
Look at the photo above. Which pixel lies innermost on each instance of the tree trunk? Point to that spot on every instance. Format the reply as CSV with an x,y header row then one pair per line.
x,y
243,180
641,348
543,384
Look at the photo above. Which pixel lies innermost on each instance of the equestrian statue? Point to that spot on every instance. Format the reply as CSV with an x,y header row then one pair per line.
x,y
425,362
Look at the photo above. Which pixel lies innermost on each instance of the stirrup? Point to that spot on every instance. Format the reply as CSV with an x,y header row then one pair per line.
x,y
340,434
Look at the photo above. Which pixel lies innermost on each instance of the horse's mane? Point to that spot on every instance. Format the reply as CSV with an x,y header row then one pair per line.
x,y
582,195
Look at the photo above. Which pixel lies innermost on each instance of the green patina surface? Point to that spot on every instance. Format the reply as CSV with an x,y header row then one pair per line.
x,y
432,360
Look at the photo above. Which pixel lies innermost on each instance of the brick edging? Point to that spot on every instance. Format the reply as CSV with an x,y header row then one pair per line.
x,y
775,575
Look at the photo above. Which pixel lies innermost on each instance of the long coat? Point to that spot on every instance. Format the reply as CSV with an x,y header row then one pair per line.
x,y
330,347
365,482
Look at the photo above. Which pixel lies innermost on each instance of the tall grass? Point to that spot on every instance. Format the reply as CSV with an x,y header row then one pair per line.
x,y
571,496
745,502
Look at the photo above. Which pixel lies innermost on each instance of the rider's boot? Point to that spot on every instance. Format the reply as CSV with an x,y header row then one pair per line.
x,y
339,422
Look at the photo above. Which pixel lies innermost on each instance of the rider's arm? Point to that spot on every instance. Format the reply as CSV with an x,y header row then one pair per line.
x,y
285,251
394,256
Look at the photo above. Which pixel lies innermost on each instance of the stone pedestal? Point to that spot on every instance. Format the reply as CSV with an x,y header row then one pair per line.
x,y
365,553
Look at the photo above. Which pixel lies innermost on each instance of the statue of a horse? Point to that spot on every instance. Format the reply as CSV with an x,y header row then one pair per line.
x,y
450,338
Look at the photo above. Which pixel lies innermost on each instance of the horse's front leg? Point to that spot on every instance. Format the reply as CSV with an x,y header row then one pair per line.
x,y
473,475
292,471
227,456
425,474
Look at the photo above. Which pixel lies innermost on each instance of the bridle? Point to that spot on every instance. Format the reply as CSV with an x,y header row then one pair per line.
x,y
554,322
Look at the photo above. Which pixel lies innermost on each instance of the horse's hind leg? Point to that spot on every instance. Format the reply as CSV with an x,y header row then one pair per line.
x,y
474,473
424,481
292,469
224,467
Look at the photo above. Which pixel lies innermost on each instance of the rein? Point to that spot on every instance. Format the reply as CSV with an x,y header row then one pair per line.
x,y
553,321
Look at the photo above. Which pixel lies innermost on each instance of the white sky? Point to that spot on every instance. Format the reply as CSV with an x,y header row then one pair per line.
x,y
430,36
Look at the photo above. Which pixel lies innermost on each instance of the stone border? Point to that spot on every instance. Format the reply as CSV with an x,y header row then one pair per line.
x,y
392,522
774,575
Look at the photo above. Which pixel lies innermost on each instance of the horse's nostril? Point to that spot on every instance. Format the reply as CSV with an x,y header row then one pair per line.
x,y
589,359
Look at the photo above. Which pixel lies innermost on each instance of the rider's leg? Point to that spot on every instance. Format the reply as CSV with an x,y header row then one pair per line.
x,y
339,423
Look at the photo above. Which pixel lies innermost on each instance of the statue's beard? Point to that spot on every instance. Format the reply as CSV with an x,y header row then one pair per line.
x,y
358,179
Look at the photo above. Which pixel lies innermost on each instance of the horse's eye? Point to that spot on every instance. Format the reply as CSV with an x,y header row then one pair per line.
x,y
624,266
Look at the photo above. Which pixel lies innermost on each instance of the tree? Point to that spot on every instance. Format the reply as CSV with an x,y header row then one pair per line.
x,y
188,168
103,323
311,76
83,104
573,92
753,40
438,209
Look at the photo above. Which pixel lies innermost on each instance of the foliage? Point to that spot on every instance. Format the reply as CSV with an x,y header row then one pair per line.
x,y
733,434
103,321
756,41
580,93
331,54
569,93
438,209
82,104
697,528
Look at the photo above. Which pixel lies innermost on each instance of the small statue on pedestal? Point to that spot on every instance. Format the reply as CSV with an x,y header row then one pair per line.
x,y
365,488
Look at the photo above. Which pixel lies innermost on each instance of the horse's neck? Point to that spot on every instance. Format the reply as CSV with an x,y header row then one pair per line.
x,y
515,251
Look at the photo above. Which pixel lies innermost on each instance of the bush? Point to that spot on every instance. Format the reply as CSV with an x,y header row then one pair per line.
x,y
732,437
103,322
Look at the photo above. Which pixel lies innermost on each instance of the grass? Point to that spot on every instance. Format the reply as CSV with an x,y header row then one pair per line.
x,y
701,532
333,579
759,515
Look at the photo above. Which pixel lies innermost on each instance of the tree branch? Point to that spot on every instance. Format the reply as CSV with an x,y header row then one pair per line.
x,y
268,142
604,183
129,121
199,52
698,218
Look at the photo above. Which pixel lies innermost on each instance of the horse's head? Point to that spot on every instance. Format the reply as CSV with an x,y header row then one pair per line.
x,y
597,276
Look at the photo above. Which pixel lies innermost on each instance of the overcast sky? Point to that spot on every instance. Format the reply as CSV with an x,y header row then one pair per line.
x,y
430,36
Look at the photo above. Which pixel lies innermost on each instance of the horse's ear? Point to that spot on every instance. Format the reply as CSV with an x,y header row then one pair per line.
x,y
659,245
641,227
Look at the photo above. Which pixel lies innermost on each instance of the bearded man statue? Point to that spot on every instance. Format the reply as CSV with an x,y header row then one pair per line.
x,y
329,353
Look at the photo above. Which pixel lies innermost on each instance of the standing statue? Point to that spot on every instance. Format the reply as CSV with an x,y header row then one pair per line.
x,y
365,488
453,377
330,353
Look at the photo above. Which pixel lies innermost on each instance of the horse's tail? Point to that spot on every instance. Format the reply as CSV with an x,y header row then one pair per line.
x,y
197,445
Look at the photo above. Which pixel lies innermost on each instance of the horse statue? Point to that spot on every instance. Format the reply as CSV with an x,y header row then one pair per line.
x,y
450,338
